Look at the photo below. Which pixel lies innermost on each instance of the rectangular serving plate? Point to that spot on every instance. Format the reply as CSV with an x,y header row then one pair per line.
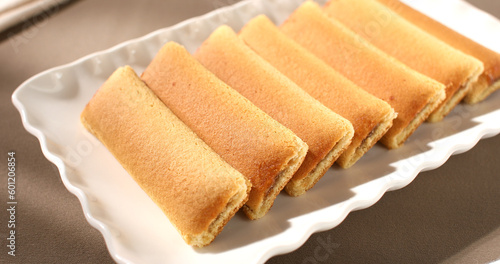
x,y
134,228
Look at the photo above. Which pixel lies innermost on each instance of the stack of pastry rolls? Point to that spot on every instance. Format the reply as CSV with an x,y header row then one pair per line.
x,y
272,107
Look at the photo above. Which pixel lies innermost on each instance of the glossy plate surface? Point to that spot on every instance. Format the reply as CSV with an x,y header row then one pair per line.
x,y
134,228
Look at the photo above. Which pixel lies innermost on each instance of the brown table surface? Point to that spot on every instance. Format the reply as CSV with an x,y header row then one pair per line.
x,y
447,215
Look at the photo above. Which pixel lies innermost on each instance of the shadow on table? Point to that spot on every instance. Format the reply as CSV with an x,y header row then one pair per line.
x,y
30,24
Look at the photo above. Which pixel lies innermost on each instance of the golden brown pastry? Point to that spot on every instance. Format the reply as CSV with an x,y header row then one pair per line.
x,y
247,138
488,81
197,190
326,133
412,46
412,95
370,116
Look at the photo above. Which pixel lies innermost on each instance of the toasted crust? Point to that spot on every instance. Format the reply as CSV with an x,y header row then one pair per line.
x,y
366,112
197,190
481,90
489,81
407,91
412,46
297,187
397,140
247,138
233,62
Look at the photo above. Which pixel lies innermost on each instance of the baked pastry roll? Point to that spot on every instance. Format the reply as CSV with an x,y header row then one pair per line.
x,y
243,135
412,95
326,133
371,117
488,81
195,188
412,46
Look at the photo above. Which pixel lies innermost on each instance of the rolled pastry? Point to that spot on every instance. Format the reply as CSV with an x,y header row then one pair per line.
x,y
247,138
412,46
488,81
326,133
412,95
371,117
195,188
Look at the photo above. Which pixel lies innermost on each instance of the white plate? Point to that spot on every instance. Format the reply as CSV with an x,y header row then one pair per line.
x,y
134,228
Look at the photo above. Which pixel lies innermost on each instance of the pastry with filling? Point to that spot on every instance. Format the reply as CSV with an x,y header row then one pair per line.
x,y
412,95
411,45
488,81
248,139
326,133
195,188
371,117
